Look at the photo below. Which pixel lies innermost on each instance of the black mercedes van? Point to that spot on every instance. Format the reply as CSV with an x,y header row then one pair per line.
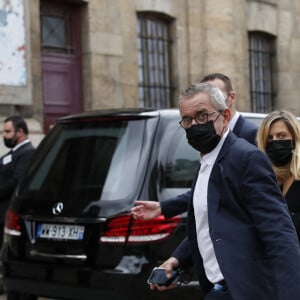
x,y
68,231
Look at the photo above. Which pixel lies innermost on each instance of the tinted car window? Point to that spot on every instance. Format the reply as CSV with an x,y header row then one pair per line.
x,y
178,159
182,161
91,162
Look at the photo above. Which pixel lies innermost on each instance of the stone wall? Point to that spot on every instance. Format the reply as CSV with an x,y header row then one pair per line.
x,y
209,36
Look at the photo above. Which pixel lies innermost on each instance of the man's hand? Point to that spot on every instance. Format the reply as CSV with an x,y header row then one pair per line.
x,y
146,210
169,265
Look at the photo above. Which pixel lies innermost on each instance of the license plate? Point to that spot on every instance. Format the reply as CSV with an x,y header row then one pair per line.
x,y
60,231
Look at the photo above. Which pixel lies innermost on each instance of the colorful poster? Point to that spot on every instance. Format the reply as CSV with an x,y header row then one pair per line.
x,y
12,43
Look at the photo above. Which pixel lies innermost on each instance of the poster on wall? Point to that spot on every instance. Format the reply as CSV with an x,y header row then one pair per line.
x,y
12,43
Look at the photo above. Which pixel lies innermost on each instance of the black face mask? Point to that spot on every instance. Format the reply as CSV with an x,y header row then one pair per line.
x,y
203,137
280,151
10,143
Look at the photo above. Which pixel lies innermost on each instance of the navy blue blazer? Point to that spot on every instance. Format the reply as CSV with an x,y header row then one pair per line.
x,y
254,239
243,129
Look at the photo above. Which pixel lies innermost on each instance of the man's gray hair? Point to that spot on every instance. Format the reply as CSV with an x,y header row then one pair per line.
x,y
215,95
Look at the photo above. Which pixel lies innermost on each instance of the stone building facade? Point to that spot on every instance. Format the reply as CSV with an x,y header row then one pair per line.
x,y
203,36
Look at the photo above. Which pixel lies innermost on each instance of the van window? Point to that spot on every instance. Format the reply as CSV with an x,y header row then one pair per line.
x,y
95,161
180,161
181,165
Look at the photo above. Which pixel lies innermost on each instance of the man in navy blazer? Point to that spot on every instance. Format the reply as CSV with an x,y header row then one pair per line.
x,y
239,125
240,234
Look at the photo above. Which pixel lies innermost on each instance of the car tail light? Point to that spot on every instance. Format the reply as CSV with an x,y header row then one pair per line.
x,y
12,223
126,229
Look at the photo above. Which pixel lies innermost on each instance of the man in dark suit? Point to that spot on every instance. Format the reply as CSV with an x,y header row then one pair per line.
x,y
239,125
14,163
240,234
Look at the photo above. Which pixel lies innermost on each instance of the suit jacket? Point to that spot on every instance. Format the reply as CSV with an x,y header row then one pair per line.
x,y
242,129
245,129
253,236
12,168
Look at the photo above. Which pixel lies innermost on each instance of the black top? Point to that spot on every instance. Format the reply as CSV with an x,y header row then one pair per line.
x,y
292,198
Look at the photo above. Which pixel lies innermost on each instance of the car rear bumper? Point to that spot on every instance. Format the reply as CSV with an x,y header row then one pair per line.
x,y
81,283
54,290
53,280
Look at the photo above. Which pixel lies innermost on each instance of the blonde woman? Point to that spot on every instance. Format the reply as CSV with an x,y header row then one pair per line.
x,y
279,137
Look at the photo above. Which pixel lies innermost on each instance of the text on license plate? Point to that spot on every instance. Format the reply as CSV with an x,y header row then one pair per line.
x,y
60,231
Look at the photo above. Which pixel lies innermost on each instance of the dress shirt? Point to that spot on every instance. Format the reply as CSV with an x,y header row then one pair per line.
x,y
20,145
205,245
234,120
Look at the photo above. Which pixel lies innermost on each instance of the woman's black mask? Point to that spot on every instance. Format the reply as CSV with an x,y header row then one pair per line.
x,y
280,151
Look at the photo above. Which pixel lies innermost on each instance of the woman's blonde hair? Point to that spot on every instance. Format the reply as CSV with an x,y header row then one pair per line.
x,y
294,128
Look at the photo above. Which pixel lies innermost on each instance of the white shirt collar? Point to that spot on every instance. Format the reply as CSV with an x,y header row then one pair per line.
x,y
20,145
234,120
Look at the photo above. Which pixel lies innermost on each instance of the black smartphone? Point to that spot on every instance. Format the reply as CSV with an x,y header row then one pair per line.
x,y
158,276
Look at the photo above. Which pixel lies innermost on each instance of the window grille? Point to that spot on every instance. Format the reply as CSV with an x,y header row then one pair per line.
x,y
260,71
154,61
56,22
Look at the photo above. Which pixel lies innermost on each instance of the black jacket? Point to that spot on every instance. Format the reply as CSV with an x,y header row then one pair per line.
x,y
245,129
12,168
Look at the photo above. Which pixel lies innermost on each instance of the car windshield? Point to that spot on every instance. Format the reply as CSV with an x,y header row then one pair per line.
x,y
88,161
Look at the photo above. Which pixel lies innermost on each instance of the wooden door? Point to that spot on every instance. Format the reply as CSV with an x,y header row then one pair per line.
x,y
61,60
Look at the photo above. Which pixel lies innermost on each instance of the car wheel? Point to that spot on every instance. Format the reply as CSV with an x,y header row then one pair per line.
x,y
20,296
